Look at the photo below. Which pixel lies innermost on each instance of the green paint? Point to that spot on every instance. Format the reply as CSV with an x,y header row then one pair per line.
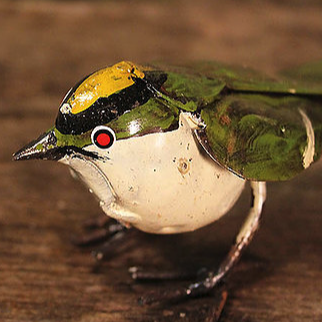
x,y
80,140
39,147
156,115
253,124
306,80
192,91
260,137
307,77
188,106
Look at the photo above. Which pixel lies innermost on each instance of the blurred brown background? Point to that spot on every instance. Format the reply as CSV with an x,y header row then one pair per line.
x,y
46,47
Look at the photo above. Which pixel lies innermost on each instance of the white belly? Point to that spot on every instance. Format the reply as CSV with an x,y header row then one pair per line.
x,y
161,182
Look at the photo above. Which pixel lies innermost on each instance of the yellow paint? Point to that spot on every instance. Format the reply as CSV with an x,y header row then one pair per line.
x,y
103,83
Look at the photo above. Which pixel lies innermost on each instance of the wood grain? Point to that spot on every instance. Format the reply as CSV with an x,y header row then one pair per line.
x,y
45,48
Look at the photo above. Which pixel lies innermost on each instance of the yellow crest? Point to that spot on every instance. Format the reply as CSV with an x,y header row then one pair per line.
x,y
103,83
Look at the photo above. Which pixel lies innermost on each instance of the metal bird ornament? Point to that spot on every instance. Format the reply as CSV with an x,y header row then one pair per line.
x,y
169,149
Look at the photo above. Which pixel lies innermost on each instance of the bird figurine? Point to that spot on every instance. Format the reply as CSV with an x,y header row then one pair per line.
x,y
169,149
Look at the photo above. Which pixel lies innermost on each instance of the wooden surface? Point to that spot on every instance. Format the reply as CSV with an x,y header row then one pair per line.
x,y
45,48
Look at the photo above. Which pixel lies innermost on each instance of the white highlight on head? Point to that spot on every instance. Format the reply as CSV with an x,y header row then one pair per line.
x,y
84,97
308,155
65,108
134,127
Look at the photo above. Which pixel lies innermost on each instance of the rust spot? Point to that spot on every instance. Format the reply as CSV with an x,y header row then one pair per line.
x,y
183,165
231,144
225,120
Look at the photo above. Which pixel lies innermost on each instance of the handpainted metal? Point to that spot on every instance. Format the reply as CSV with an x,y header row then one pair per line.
x,y
169,149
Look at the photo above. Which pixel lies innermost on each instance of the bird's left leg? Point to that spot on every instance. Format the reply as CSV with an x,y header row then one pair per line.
x,y
212,279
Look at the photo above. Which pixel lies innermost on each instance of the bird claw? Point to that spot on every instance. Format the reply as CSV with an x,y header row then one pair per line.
x,y
213,313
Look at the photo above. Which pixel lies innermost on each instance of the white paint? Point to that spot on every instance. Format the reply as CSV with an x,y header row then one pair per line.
x,y
308,155
88,172
134,127
252,221
65,108
83,98
161,183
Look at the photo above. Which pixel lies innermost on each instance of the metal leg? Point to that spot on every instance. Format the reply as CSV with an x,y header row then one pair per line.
x,y
243,239
139,274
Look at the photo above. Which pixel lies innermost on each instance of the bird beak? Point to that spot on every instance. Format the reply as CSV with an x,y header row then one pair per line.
x,y
45,148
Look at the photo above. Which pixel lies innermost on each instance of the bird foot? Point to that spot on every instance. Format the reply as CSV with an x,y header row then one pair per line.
x,y
104,234
215,302
203,284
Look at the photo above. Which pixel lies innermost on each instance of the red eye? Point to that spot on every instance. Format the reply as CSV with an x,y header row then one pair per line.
x,y
103,137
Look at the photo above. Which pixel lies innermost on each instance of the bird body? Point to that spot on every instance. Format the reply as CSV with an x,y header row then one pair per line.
x,y
169,149
159,183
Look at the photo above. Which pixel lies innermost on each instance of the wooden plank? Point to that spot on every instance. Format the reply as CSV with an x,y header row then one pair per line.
x,y
45,48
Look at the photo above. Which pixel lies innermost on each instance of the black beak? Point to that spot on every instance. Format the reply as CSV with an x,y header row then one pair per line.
x,y
45,148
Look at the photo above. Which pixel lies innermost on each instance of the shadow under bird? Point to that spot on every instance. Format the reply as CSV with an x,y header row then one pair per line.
x,y
169,149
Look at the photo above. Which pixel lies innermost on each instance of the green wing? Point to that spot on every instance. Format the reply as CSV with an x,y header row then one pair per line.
x,y
203,82
264,138
258,127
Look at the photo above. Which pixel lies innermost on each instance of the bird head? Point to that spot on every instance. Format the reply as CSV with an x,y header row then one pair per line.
x,y
110,104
